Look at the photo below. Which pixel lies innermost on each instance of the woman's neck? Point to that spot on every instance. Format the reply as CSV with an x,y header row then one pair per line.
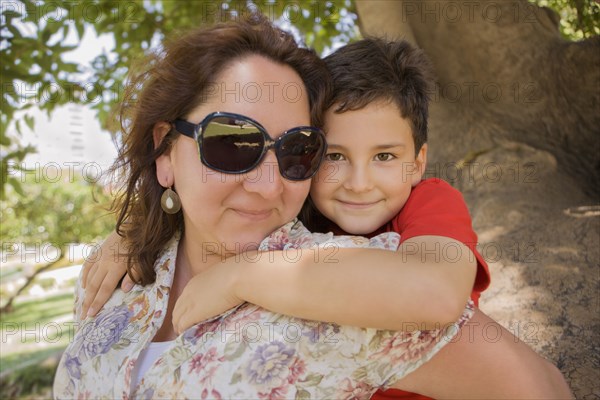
x,y
193,258
189,263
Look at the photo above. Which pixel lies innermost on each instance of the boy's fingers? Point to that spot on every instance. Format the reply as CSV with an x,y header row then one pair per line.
x,y
89,265
94,280
128,283
179,325
89,275
100,300
100,288
84,272
175,320
178,315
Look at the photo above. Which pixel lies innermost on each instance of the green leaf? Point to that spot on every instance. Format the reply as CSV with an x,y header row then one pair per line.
x,y
302,394
46,35
237,377
14,182
29,121
312,380
4,140
10,14
232,352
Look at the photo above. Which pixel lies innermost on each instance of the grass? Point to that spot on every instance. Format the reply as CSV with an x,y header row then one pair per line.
x,y
40,311
30,334
40,329
34,382
17,361
7,273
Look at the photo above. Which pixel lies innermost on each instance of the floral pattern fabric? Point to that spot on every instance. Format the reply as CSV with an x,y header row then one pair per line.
x,y
245,353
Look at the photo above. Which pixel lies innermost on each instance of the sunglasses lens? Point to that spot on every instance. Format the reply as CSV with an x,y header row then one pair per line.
x,y
300,153
231,145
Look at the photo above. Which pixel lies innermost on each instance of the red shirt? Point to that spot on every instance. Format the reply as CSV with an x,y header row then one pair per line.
x,y
436,208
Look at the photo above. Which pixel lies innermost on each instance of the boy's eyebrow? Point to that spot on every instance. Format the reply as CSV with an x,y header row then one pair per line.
x,y
389,146
378,147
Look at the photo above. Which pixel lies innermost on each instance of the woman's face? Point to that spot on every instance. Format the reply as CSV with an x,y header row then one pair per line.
x,y
229,213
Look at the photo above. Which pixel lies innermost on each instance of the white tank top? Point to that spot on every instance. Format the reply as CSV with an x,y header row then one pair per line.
x,y
145,360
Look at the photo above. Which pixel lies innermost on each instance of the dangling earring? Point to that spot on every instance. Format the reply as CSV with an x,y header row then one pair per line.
x,y
170,202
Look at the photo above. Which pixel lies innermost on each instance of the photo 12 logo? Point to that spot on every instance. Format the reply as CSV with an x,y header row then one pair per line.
x,y
53,172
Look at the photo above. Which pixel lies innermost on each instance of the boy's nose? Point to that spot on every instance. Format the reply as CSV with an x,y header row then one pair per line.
x,y
265,179
359,180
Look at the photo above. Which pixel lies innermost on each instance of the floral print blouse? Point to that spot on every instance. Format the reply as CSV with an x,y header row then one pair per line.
x,y
245,353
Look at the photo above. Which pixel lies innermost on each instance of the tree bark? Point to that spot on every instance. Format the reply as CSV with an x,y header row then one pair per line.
x,y
505,72
515,126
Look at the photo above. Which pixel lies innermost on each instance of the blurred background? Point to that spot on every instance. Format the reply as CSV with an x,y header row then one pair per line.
x,y
514,125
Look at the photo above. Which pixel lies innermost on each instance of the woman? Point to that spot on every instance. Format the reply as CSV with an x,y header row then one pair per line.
x,y
208,81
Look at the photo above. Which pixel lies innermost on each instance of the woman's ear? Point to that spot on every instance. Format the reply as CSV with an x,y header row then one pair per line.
x,y
420,165
164,167
159,132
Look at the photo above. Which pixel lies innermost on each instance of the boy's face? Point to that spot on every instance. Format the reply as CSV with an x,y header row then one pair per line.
x,y
370,167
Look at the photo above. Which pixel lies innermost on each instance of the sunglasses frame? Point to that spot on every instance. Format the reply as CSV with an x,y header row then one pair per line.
x,y
196,131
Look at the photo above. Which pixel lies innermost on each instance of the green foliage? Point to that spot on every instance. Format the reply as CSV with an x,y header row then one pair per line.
x,y
579,19
32,382
37,34
28,313
58,212
13,155
136,27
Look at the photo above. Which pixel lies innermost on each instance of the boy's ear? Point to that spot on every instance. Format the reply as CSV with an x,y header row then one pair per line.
x,y
420,165
164,167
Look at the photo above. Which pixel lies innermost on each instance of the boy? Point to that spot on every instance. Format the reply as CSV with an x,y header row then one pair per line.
x,y
377,136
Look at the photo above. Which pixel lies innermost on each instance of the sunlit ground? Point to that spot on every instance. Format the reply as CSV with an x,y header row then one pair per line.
x,y
36,331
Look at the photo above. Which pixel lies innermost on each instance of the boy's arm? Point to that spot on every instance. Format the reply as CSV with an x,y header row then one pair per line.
x,y
418,284
426,282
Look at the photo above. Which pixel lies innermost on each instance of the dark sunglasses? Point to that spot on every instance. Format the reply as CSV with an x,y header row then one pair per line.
x,y
234,144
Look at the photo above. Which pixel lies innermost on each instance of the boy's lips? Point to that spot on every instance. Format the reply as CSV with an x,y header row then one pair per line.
x,y
358,204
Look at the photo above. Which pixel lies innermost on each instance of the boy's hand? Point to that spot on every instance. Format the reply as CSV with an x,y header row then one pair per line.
x,y
206,295
101,274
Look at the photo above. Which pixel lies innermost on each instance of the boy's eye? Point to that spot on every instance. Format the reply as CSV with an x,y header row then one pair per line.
x,y
334,157
384,157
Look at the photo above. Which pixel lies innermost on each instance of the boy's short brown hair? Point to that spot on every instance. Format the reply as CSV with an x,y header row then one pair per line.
x,y
374,69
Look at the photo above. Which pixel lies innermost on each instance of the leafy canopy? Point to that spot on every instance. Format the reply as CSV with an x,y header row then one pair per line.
x,y
36,36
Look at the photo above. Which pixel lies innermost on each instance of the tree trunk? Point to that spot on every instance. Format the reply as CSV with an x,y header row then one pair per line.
x,y
505,71
8,307
514,125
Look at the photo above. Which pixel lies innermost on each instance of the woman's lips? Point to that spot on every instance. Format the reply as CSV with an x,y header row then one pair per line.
x,y
254,215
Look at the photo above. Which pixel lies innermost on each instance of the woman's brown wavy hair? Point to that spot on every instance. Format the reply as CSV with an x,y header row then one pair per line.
x,y
170,85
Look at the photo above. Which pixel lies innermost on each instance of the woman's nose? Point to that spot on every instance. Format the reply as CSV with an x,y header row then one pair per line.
x,y
265,179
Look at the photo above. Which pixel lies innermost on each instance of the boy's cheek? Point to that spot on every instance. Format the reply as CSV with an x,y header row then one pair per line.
x,y
328,174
